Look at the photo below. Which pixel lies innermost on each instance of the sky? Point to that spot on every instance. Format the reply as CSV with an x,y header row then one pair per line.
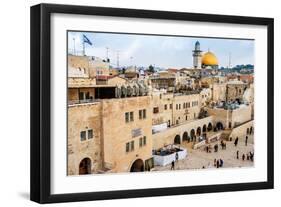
x,y
161,51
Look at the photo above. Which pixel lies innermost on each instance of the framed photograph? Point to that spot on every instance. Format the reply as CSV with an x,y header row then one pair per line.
x,y
132,103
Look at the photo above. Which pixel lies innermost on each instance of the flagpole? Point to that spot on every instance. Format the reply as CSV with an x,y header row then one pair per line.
x,y
84,47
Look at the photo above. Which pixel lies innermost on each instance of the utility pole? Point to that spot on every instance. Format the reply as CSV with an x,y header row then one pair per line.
x,y
229,61
117,58
74,52
107,49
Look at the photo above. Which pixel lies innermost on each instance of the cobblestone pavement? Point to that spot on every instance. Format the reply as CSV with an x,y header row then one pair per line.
x,y
198,158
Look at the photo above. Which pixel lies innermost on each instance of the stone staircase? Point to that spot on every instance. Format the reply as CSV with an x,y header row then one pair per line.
x,y
225,134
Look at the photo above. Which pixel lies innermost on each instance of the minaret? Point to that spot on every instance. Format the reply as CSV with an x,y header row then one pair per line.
x,y
197,56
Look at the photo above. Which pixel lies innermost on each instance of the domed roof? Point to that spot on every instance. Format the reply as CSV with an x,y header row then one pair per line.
x,y
209,58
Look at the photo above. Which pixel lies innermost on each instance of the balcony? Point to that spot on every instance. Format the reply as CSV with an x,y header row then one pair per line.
x,y
84,101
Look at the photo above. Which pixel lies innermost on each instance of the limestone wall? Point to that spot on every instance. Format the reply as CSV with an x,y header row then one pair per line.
x,y
241,131
82,117
167,137
116,132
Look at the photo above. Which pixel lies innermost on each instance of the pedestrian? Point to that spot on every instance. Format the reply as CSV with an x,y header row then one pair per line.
x,y
236,142
173,165
222,144
221,163
237,154
215,162
246,141
248,156
207,148
243,157
218,163
252,156
216,147
177,156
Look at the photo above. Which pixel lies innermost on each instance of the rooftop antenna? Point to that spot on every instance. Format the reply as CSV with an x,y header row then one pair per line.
x,y
107,49
229,61
131,60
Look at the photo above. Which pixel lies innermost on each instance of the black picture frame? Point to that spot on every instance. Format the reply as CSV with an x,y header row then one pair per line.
x,y
41,102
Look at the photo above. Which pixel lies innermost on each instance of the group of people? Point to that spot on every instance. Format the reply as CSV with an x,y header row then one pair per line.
x,y
248,156
218,163
216,147
237,139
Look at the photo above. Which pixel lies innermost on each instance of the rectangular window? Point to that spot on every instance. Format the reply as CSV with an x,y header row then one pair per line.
x,y
155,110
132,145
90,134
176,106
179,106
140,142
131,116
171,106
127,117
140,114
165,106
128,147
188,105
144,141
83,135
144,113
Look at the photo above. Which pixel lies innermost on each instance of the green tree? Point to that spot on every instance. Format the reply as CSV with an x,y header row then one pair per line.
x,y
151,69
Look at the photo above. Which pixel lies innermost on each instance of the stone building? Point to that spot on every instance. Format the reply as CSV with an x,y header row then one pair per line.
x,y
235,90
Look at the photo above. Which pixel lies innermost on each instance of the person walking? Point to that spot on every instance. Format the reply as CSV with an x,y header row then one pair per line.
x,y
243,157
248,156
246,141
173,165
215,162
221,163
177,156
216,147
237,154
218,163
236,142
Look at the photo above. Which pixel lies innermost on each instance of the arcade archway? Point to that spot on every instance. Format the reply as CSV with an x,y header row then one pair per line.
x,y
85,166
177,139
219,126
137,166
185,137
210,127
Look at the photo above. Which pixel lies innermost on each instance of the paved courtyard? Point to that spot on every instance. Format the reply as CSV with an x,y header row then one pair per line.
x,y
198,158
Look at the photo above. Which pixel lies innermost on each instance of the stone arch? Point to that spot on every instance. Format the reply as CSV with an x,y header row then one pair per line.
x,y
204,128
192,134
137,166
219,126
185,137
85,166
177,139
210,127
198,131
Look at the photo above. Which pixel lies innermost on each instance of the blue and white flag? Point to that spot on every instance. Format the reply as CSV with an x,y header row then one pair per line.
x,y
86,40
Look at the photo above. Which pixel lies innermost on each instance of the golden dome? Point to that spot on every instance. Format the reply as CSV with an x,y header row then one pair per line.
x,y
209,58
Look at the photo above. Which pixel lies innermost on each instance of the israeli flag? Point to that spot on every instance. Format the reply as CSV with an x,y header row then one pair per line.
x,y
86,40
